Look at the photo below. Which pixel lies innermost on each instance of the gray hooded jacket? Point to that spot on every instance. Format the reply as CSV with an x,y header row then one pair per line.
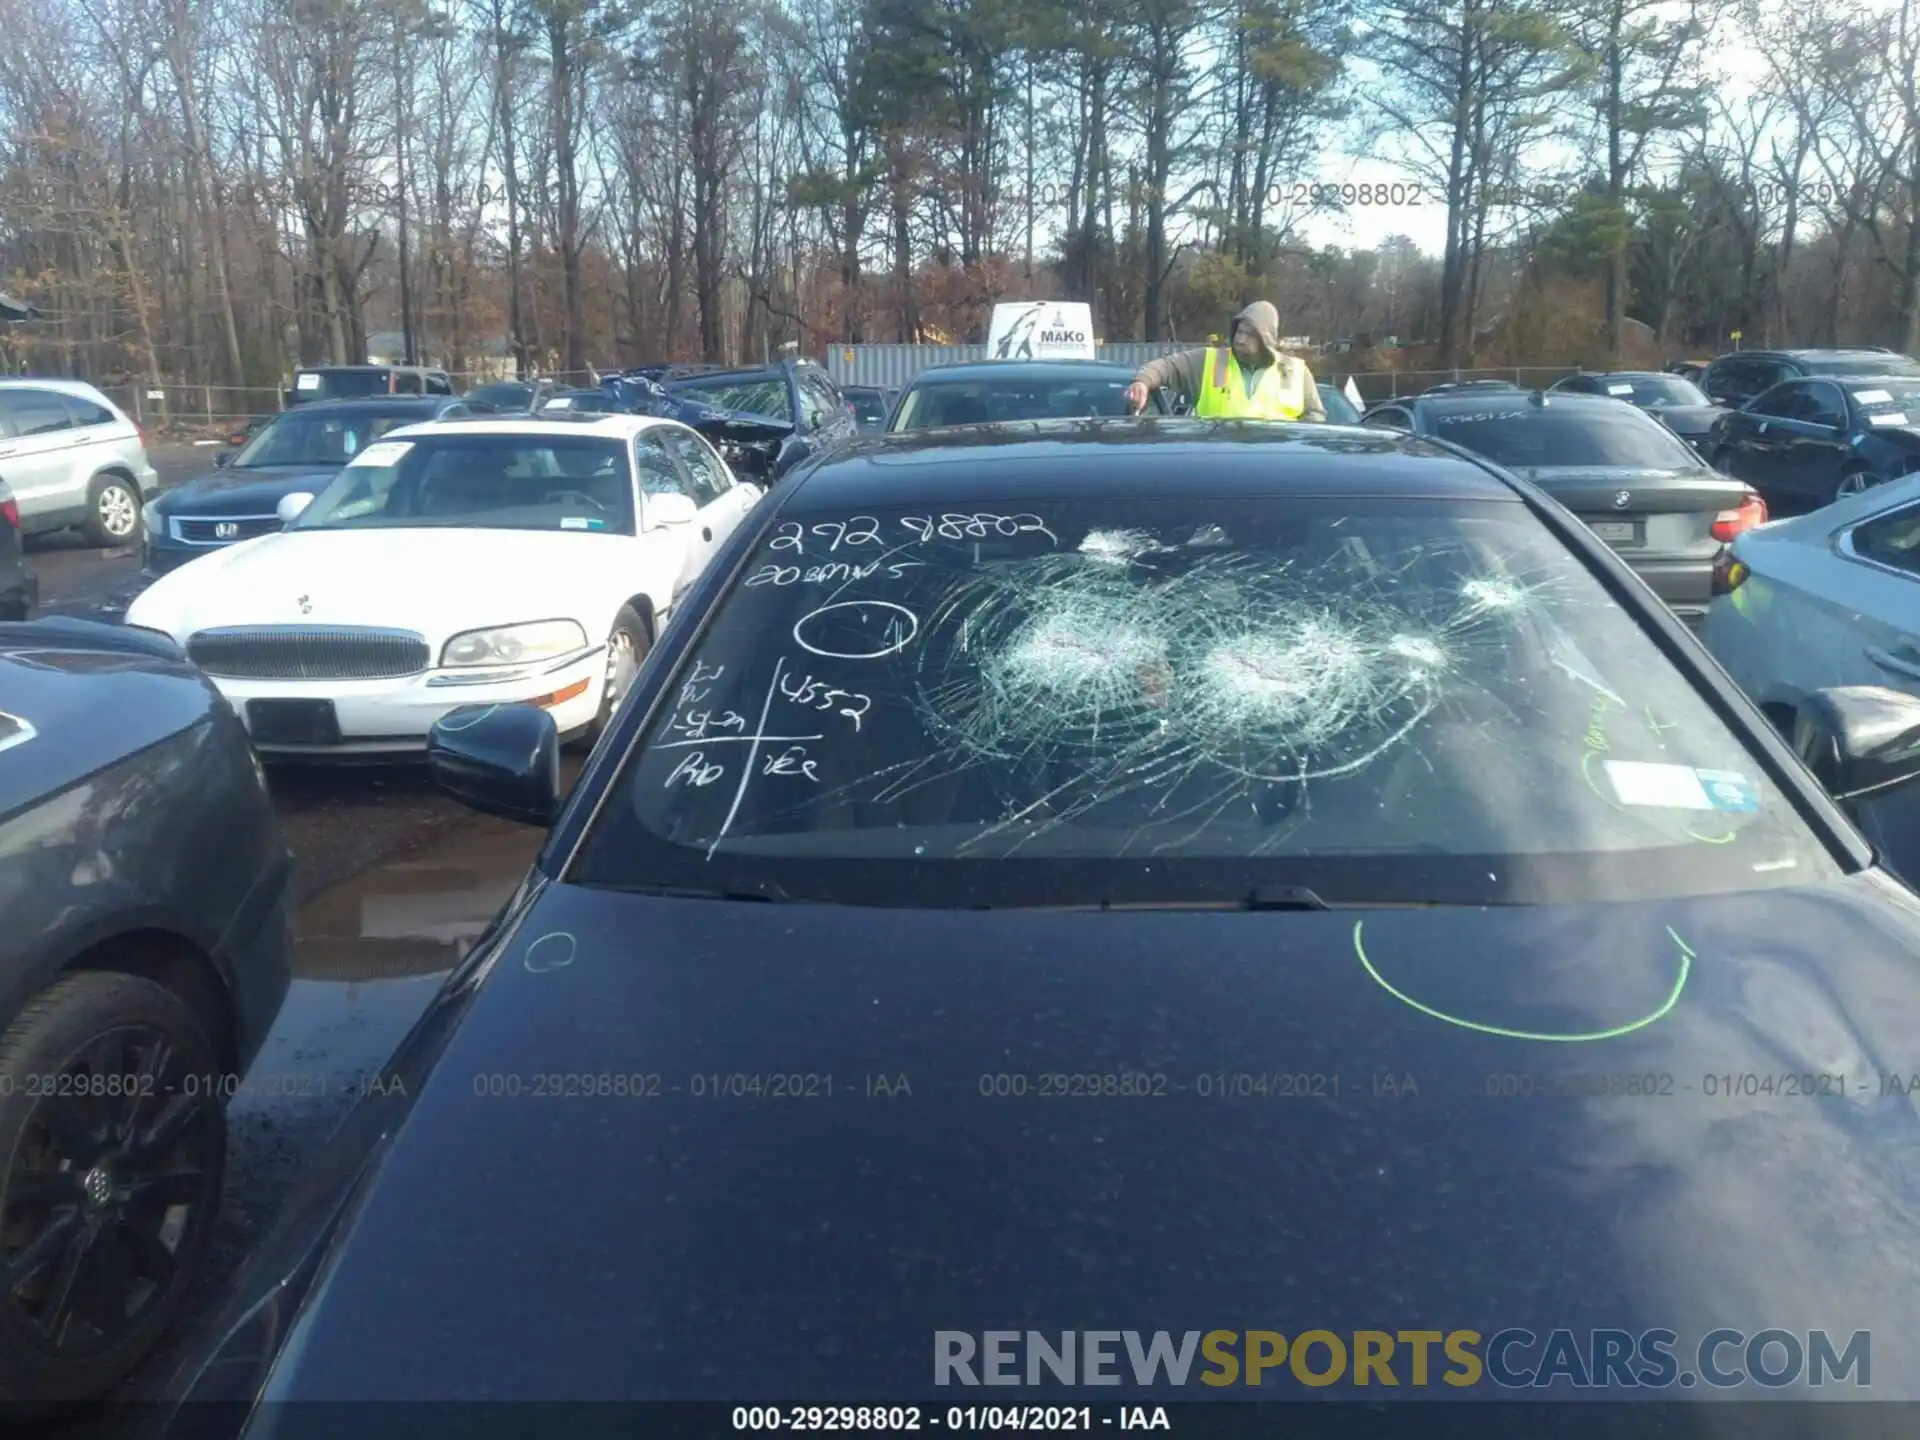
x,y
1184,371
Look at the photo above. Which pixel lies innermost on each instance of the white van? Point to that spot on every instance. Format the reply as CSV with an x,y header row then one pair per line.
x,y
1041,330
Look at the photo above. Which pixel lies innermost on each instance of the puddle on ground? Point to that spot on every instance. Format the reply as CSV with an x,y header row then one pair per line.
x,y
369,954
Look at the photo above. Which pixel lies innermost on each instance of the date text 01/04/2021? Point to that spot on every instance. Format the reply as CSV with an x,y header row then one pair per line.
x,y
899,1419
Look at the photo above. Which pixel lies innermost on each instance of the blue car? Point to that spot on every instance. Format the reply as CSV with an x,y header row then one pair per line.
x,y
299,450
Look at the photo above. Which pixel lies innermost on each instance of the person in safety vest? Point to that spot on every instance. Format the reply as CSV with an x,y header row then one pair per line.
x,y
1248,380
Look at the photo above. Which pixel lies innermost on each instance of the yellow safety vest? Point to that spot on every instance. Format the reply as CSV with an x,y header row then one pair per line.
x,y
1280,394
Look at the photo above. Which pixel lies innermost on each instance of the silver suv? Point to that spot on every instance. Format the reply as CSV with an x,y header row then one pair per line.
x,y
73,458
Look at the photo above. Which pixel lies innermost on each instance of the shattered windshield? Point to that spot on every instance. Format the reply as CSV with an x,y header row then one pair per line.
x,y
1236,680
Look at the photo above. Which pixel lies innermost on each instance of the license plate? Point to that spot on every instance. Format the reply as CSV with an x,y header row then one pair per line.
x,y
293,722
1617,532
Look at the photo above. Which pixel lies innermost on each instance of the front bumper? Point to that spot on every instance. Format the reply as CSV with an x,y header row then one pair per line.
x,y
390,719
157,558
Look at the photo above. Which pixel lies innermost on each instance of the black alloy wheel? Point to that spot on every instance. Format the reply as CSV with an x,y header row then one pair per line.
x,y
114,1145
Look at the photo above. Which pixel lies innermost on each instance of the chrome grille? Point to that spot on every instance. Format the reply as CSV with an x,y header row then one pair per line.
x,y
308,652
223,529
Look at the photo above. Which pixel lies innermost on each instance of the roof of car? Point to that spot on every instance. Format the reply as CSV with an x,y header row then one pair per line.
x,y
594,423
1619,375
964,368
373,405
383,365
1157,457
1515,399
49,382
1811,353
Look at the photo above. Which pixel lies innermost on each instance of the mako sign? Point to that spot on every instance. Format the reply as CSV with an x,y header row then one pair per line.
x,y
1041,330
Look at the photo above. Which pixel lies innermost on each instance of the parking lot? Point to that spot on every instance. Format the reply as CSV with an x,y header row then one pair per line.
x,y
394,879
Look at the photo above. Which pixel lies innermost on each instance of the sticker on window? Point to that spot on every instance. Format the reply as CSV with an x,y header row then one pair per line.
x,y
1888,417
306,382
561,402
1873,397
1680,787
580,522
1619,389
385,453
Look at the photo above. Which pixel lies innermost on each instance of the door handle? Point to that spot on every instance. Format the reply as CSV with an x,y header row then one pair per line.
x,y
705,533
1887,660
81,440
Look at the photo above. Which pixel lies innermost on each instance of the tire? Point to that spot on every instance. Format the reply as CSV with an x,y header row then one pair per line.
x,y
627,646
142,1201
113,512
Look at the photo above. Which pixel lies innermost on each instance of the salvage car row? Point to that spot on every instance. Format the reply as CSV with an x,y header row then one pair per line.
x,y
951,749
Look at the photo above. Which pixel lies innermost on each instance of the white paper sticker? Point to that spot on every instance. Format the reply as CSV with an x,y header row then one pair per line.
x,y
574,522
1619,389
562,402
1888,417
1873,397
306,382
1670,787
386,452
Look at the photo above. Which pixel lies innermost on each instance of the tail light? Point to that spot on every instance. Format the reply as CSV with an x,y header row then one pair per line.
x,y
1728,573
10,511
1729,523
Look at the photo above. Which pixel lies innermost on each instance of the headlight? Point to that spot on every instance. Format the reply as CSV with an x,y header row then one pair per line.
x,y
515,644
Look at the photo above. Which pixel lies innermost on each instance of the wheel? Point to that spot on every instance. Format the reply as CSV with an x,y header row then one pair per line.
x,y
1853,482
113,512
627,646
107,1198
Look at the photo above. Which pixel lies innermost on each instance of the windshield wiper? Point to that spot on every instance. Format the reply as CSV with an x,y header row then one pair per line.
x,y
774,896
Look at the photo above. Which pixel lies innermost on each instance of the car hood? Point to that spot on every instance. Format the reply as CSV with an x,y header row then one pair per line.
x,y
743,1233
244,492
436,581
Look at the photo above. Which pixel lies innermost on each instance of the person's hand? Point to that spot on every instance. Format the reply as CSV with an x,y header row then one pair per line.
x,y
1136,397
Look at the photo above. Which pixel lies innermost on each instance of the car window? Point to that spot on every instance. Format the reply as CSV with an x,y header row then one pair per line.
x,y
832,402
1581,433
1001,399
439,385
1889,402
406,382
1823,405
869,405
659,473
1892,539
814,408
761,395
339,384
1580,385
85,412
706,473
307,438
1783,402
489,482
1648,389
1061,705
1392,419
35,412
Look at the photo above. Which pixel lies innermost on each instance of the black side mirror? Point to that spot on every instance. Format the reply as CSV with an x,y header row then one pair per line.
x,y
222,458
499,759
1859,740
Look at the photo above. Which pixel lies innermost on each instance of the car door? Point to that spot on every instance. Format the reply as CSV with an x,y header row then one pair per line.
x,y
1750,440
1812,440
660,474
723,500
36,454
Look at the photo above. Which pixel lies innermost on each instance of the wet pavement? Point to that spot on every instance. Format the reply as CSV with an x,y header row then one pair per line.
x,y
371,950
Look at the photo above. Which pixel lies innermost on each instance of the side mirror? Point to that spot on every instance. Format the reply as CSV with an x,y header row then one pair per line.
x,y
1859,740
498,759
671,510
290,506
222,459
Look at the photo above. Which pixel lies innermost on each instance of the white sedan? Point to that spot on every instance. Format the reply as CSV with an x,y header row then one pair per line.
x,y
454,563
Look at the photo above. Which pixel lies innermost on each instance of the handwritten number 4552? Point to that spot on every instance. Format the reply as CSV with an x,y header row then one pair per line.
x,y
810,690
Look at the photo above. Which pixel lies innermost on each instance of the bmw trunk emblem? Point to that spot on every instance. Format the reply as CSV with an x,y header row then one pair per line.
x,y
1622,499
